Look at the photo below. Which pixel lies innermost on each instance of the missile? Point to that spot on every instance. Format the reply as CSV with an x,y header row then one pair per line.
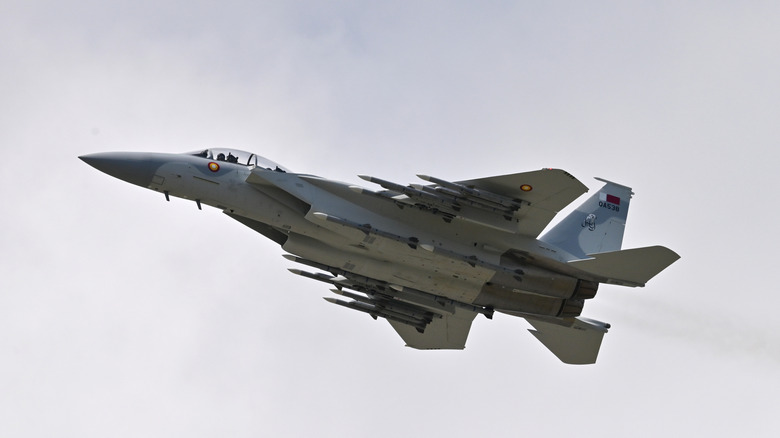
x,y
392,306
458,201
430,202
349,306
306,262
389,185
318,276
449,196
427,198
342,277
338,280
368,285
374,312
480,194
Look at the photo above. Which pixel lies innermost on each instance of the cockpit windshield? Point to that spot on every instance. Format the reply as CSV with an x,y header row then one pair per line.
x,y
239,157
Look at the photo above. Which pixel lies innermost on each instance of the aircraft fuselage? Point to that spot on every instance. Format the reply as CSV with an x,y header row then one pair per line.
x,y
428,258
296,209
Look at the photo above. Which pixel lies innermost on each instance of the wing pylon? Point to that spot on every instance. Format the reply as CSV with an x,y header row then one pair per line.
x,y
522,203
343,279
451,200
422,319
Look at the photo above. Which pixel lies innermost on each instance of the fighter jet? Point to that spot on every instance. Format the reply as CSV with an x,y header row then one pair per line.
x,y
428,257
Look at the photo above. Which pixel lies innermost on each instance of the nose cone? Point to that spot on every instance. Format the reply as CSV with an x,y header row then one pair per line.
x,y
134,167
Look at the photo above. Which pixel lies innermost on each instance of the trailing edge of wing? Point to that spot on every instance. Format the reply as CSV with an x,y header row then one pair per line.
x,y
628,267
576,344
446,333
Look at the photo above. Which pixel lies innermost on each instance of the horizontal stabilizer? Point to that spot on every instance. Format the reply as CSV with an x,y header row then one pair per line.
x,y
628,267
576,344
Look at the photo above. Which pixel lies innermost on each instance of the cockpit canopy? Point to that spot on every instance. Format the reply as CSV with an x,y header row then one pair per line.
x,y
239,157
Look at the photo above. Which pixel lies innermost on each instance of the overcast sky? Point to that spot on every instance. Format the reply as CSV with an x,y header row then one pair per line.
x,y
125,315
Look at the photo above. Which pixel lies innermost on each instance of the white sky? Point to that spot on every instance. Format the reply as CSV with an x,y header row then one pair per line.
x,y
124,315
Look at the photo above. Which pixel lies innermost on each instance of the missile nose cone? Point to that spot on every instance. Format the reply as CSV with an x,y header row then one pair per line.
x,y
133,167
89,159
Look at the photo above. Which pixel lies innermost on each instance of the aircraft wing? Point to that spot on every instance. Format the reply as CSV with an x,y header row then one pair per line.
x,y
423,320
543,194
446,333
522,203
550,189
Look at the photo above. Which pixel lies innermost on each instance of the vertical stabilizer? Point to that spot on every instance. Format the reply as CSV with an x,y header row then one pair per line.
x,y
597,225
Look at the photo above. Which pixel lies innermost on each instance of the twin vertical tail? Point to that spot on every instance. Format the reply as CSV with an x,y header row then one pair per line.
x,y
597,225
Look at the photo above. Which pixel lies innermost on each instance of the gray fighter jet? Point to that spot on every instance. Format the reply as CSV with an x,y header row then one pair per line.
x,y
426,257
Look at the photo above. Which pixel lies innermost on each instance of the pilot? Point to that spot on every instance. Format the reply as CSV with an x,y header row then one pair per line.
x,y
232,158
221,157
